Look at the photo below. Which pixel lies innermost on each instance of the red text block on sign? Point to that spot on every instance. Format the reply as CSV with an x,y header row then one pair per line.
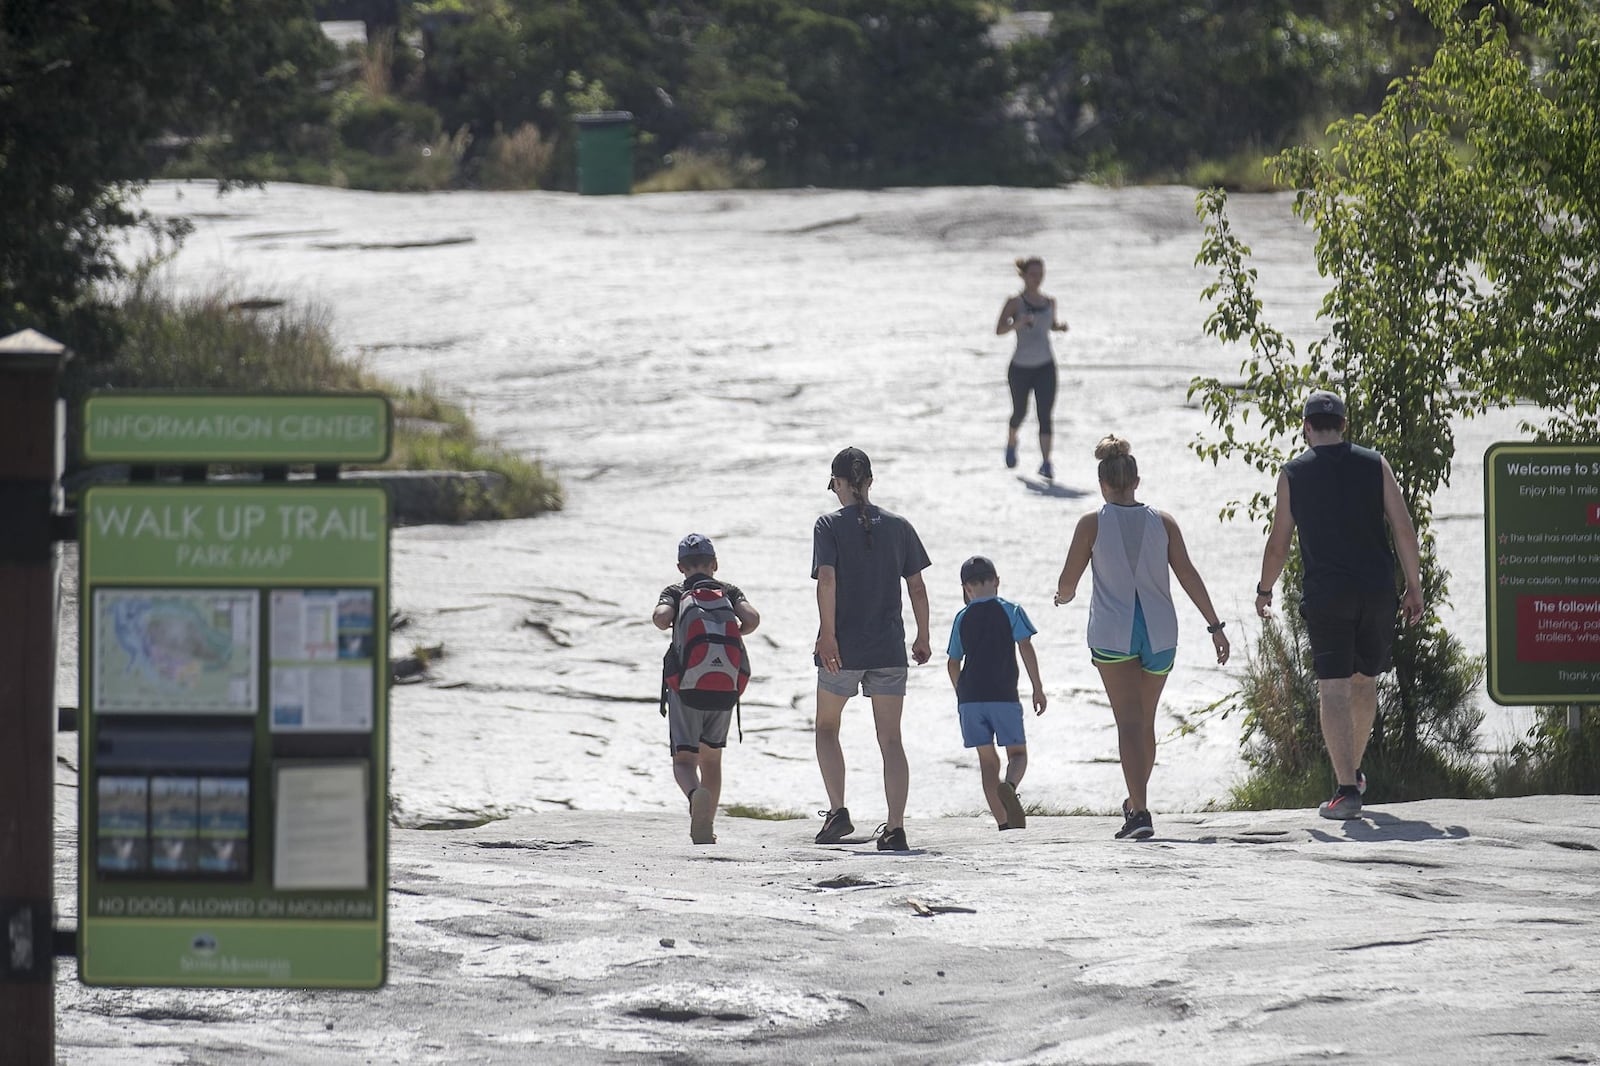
x,y
1558,629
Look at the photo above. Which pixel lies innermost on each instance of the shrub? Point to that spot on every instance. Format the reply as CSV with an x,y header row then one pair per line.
x,y
517,160
383,125
217,341
690,171
1553,759
1423,741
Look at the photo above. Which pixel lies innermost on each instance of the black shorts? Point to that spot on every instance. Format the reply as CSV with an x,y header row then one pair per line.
x,y
1351,631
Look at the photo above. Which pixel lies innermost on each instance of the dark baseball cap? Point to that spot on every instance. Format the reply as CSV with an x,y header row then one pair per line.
x,y
846,459
977,570
1323,402
695,544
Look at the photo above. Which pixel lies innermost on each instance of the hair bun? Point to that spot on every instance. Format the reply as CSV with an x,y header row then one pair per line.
x,y
1111,447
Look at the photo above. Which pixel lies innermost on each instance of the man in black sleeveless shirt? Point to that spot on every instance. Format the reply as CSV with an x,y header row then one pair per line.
x,y
1340,495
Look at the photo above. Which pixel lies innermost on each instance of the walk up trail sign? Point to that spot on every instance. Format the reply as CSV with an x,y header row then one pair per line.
x,y
233,683
1542,532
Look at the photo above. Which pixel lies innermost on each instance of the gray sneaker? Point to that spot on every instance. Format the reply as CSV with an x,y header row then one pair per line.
x,y
1016,817
1342,805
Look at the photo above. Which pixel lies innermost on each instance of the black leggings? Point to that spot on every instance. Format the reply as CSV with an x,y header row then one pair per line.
x,y
1041,381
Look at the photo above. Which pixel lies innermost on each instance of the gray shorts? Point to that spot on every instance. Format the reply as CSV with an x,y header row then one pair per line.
x,y
688,728
884,681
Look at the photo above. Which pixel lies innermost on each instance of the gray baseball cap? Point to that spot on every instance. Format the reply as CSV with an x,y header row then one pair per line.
x,y
1323,402
695,544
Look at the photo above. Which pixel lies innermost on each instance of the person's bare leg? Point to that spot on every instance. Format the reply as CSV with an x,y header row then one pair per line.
x,y
896,773
1338,728
830,754
1363,713
711,772
989,771
1016,763
1150,688
685,770
1133,707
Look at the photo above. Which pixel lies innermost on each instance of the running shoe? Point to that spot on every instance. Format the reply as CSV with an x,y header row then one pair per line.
x,y
1361,782
1342,805
892,839
701,813
1011,456
1136,826
836,827
1047,471
1016,817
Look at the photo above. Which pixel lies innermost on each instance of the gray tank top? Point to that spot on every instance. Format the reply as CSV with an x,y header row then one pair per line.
x,y
1130,560
1033,342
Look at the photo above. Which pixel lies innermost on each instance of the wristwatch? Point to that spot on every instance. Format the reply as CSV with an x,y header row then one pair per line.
x,y
1263,592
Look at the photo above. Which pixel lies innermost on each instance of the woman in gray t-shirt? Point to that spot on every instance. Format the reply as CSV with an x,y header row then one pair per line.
x,y
859,556
1031,315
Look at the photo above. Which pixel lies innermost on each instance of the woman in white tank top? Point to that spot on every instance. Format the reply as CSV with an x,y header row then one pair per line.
x,y
1133,625
1031,315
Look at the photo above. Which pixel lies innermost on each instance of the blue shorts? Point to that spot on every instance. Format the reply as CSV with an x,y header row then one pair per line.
x,y
991,723
1151,662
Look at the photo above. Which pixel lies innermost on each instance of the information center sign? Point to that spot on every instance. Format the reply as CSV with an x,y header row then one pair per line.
x,y
142,427
235,749
1542,530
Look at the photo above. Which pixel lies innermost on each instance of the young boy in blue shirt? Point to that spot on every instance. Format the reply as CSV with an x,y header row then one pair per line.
x,y
983,669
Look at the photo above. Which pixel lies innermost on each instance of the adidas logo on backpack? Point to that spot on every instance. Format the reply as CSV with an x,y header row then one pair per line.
x,y
706,665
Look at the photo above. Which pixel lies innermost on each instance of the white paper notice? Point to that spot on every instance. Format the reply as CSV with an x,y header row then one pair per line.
x,y
320,820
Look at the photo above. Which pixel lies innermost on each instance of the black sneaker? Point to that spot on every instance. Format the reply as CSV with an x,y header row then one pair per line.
x,y
836,827
1136,825
892,839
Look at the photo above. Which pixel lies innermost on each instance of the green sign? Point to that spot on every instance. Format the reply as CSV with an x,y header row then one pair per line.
x,y
234,677
1542,531
222,428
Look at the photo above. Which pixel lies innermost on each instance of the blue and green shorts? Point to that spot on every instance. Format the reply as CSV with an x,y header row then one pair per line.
x,y
1150,661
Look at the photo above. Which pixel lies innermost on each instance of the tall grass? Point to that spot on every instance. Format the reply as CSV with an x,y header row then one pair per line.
x,y
691,171
517,160
217,341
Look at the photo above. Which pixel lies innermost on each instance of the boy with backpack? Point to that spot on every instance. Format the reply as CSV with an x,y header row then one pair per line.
x,y
983,669
703,675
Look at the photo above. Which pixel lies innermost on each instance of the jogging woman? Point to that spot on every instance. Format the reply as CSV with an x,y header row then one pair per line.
x,y
1133,627
1031,315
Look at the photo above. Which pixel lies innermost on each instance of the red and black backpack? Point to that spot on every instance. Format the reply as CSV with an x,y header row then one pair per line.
x,y
706,665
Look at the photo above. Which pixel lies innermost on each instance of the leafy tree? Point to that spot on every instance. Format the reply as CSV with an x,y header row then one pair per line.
x,y
856,92
89,88
1457,227
830,91
1164,83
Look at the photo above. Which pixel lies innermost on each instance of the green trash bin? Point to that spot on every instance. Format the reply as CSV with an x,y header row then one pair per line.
x,y
605,153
